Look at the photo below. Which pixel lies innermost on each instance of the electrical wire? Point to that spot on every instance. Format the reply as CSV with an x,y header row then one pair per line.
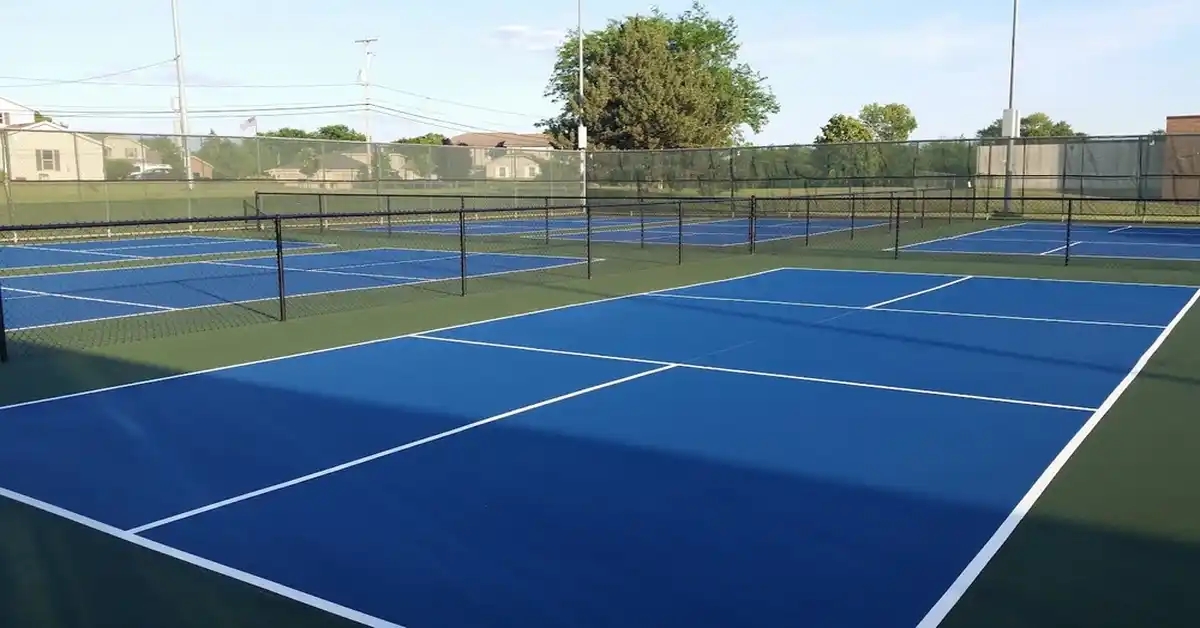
x,y
87,79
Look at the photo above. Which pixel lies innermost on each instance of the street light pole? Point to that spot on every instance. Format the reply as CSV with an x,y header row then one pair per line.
x,y
182,93
1010,114
581,131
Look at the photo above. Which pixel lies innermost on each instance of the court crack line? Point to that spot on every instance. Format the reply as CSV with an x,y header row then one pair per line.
x,y
801,378
394,450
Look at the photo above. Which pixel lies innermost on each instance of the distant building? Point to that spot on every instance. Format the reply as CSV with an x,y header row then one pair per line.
x,y
1182,157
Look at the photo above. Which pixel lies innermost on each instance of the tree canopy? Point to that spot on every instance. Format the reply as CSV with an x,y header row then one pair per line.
x,y
892,122
1033,125
655,82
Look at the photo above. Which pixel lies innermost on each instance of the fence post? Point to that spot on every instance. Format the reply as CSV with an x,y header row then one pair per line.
x,y
462,250
387,209
3,331
1070,219
5,177
546,212
321,212
279,268
679,246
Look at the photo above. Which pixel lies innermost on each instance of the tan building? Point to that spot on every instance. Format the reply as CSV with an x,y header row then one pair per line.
x,y
1182,158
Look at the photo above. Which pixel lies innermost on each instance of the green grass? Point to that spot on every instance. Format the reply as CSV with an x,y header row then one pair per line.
x,y
1115,541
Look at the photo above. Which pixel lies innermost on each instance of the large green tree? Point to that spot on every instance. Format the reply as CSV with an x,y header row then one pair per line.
x,y
656,81
892,122
1033,125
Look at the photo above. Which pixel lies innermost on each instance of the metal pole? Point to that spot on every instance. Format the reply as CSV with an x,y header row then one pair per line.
x,y
182,95
582,130
1012,78
365,79
3,331
679,245
279,268
462,249
1070,219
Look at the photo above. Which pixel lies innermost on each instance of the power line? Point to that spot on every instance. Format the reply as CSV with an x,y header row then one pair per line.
x,y
451,102
443,124
86,79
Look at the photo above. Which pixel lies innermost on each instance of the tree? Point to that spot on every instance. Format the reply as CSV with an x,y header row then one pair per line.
x,y
168,153
338,132
658,82
892,122
1033,125
117,169
40,117
842,128
230,159
418,156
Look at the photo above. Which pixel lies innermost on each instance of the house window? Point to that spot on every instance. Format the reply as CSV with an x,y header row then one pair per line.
x,y
502,172
5,118
47,160
107,152
531,172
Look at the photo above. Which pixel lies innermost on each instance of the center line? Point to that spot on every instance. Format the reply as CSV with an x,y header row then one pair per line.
x,y
917,293
394,450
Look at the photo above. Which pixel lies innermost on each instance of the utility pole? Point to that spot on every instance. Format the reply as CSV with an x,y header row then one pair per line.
x,y
364,78
182,96
1011,123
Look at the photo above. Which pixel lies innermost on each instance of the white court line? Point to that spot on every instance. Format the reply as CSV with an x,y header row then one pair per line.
x,y
85,252
960,585
1120,229
204,563
961,235
799,378
416,281
1005,317
394,450
295,244
318,271
118,269
73,297
997,277
230,572
918,293
1058,248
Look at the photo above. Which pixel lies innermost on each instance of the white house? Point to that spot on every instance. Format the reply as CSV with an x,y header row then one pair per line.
x,y
45,151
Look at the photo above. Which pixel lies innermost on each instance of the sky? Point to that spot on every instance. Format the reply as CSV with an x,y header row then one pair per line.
x,y
1108,67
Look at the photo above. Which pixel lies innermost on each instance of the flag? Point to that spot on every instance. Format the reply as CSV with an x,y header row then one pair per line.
x,y
251,122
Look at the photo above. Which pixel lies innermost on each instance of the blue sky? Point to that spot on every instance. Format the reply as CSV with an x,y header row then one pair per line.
x,y
1106,66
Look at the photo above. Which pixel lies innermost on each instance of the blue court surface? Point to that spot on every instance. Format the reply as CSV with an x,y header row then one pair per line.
x,y
48,299
727,232
1087,240
124,250
792,448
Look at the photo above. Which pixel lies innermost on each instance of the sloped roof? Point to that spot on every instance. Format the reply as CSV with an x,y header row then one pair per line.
x,y
511,140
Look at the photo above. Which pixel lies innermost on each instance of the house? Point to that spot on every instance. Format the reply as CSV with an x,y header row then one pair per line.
x,y
506,155
13,114
45,151
333,167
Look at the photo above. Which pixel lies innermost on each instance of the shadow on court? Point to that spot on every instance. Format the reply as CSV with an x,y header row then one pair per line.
x,y
489,525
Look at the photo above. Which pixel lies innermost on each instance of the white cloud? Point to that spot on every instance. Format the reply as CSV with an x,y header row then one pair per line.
x,y
528,38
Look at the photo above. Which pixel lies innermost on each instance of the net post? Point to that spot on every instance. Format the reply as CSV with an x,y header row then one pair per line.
x,y
852,208
462,248
896,229
279,268
641,223
753,220
587,214
1070,219
807,217
258,206
679,245
387,209
546,214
